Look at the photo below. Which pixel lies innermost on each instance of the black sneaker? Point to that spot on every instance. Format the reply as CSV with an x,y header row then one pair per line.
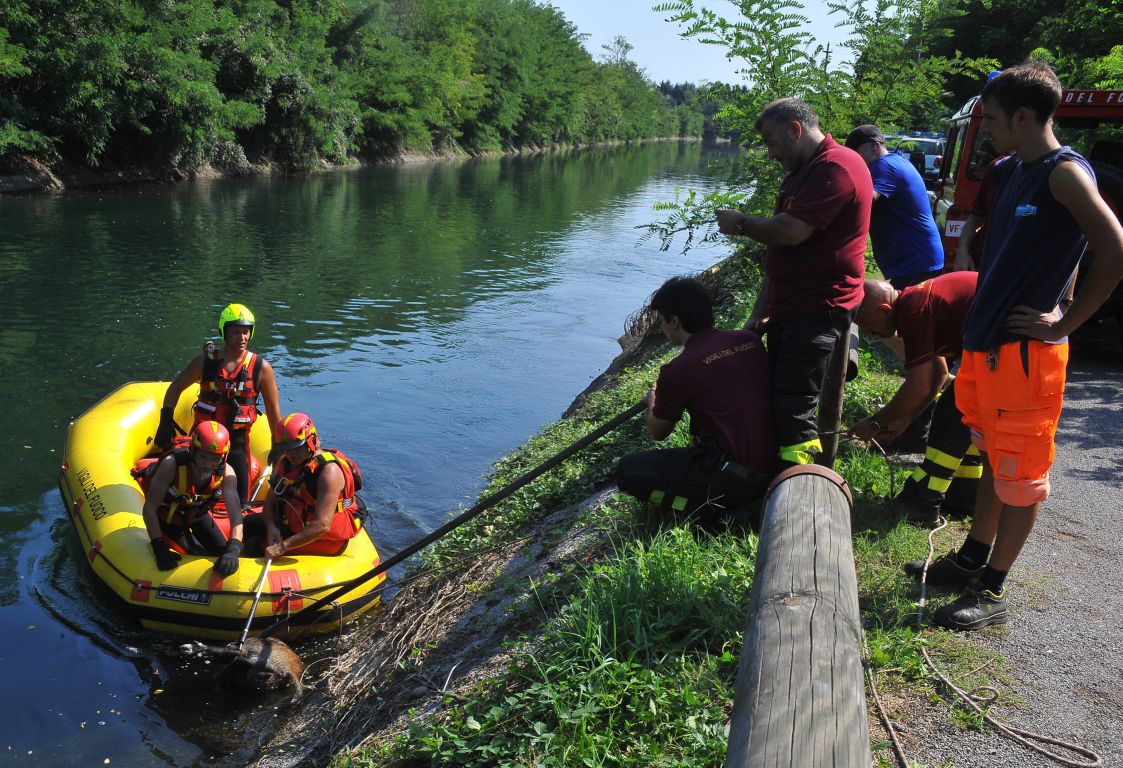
x,y
974,609
944,570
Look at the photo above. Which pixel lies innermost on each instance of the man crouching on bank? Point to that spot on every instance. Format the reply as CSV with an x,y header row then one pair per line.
x,y
723,380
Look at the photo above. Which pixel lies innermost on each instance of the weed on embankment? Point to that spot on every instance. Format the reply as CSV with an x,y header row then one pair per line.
x,y
635,656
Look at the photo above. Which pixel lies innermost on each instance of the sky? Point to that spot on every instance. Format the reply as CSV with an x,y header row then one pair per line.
x,y
658,48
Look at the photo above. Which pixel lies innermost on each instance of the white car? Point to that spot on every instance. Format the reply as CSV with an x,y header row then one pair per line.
x,y
933,149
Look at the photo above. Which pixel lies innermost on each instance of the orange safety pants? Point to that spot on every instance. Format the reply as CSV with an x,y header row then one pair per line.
x,y
1011,401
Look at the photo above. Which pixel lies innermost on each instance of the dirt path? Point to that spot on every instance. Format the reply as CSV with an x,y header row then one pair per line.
x,y
1065,637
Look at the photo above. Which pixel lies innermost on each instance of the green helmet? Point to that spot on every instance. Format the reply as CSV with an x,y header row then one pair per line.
x,y
235,314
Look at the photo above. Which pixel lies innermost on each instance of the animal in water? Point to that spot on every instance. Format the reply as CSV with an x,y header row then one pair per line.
x,y
267,664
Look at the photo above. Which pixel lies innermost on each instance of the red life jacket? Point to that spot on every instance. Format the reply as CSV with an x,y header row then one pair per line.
x,y
296,487
184,503
229,398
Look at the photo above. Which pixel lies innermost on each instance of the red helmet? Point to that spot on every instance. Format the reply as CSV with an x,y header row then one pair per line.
x,y
296,430
210,437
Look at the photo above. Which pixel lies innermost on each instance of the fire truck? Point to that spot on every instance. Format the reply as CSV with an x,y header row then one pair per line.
x,y
1091,121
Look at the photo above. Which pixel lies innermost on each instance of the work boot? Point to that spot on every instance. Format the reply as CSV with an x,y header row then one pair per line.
x,y
974,609
921,506
944,570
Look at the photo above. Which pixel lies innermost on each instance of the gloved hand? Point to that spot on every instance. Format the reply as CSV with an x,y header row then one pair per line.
x,y
166,557
274,454
166,431
228,562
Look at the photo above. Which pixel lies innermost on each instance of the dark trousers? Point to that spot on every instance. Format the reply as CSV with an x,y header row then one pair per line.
x,y
201,537
693,482
800,350
952,467
239,461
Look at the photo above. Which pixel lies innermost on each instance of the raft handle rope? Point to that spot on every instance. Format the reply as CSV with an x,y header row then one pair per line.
x,y
985,694
464,517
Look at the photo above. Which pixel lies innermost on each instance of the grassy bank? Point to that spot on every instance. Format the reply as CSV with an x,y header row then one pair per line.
x,y
632,655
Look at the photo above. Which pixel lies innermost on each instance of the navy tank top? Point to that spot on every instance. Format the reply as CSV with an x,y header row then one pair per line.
x,y
1033,246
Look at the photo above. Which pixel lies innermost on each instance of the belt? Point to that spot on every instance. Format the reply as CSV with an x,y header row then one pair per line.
x,y
740,470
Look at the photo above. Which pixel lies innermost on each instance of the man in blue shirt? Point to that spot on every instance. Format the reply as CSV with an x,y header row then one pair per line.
x,y
906,242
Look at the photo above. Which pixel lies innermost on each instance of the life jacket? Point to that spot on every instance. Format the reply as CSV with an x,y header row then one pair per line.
x,y
295,488
184,503
229,398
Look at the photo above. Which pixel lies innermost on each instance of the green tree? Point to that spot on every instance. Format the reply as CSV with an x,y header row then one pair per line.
x,y
181,84
13,136
896,81
770,42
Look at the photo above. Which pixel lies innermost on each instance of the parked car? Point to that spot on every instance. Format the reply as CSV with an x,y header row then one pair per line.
x,y
932,148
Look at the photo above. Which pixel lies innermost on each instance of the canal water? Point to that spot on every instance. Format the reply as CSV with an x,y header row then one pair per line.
x,y
429,317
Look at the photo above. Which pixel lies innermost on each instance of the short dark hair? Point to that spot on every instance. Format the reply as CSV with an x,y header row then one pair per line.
x,y
787,111
864,134
688,300
1032,84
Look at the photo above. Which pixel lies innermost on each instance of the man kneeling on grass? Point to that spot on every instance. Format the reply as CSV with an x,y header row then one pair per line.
x,y
723,380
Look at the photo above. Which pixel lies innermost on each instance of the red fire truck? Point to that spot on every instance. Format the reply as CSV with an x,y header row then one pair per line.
x,y
1090,121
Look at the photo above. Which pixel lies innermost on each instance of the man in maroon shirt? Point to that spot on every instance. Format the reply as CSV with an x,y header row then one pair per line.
x,y
813,268
721,378
929,319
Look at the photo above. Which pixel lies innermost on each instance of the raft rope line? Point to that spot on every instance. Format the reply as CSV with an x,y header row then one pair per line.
x,y
481,506
974,698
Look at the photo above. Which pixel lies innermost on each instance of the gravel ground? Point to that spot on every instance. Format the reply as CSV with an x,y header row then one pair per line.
x,y
1065,636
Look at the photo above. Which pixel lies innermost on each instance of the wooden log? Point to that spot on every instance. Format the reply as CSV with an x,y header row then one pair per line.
x,y
800,697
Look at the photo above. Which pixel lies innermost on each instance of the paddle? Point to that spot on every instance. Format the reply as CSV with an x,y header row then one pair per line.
x,y
262,476
256,600
459,520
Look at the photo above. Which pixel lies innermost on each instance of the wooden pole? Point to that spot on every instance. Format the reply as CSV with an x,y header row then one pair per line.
x,y
800,697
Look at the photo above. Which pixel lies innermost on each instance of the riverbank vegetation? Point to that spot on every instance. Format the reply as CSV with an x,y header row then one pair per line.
x,y
628,657
295,83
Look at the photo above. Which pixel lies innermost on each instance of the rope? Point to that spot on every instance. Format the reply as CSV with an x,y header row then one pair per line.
x,y
481,506
976,698
972,698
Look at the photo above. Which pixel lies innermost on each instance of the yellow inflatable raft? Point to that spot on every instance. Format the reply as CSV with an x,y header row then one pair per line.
x,y
104,503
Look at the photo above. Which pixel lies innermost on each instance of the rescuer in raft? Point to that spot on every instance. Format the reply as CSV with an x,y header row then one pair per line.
x,y
230,380
186,484
311,506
